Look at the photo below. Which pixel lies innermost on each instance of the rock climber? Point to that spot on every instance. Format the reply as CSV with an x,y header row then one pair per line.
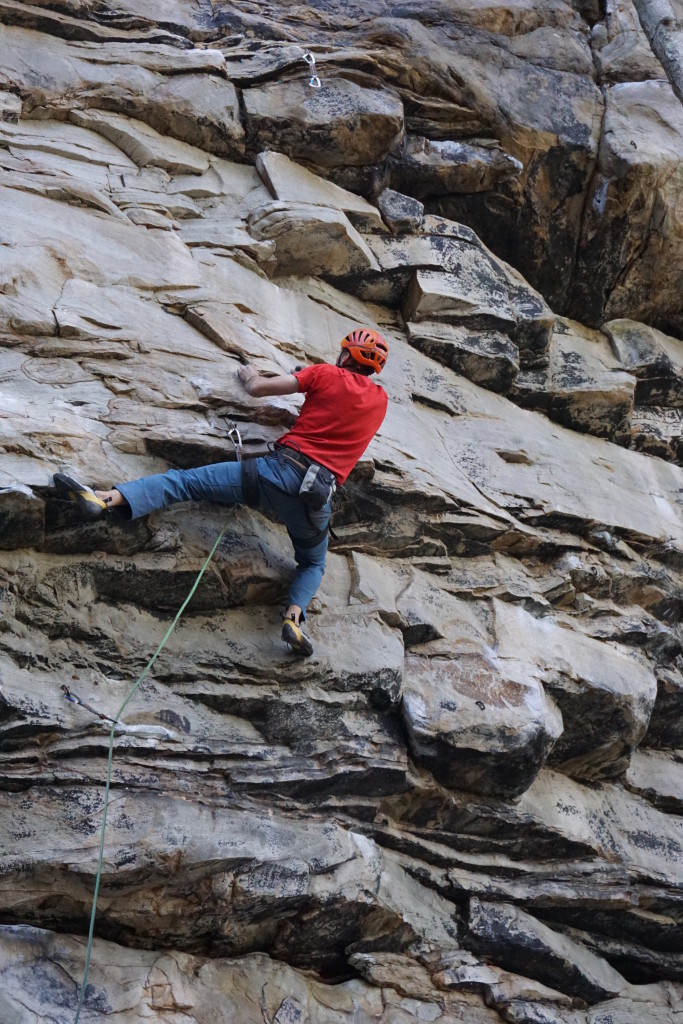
x,y
342,411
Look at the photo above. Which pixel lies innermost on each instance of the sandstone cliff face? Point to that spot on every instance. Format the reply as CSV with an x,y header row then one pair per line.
x,y
468,804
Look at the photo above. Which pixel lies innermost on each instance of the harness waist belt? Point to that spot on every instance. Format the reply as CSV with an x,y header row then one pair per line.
x,y
303,461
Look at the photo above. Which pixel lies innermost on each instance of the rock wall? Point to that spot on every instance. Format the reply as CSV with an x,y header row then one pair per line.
x,y
468,804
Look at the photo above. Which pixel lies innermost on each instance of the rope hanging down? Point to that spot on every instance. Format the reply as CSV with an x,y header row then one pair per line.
x,y
234,435
116,721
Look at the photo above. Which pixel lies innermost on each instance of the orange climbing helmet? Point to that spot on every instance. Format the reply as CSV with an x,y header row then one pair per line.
x,y
367,347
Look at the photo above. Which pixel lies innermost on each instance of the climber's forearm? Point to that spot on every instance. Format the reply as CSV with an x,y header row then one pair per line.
x,y
263,387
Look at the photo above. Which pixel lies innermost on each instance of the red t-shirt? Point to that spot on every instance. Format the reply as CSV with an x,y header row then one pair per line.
x,y
339,418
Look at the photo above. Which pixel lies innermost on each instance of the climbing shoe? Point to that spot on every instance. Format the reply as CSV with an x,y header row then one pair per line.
x,y
299,643
89,505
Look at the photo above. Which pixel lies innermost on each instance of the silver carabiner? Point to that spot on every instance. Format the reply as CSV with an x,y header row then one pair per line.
x,y
314,80
236,438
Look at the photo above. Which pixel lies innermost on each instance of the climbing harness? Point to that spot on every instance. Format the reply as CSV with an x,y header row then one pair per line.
x,y
314,80
116,721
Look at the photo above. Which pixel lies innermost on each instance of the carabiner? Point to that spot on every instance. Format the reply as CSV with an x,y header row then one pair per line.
x,y
314,80
236,438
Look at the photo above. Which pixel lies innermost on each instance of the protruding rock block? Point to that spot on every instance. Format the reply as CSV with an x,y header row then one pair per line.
x,y
659,432
665,730
479,301
487,358
429,167
653,358
476,727
145,146
629,259
342,123
521,943
300,889
311,239
292,183
10,107
605,693
403,214
657,777
478,290
584,387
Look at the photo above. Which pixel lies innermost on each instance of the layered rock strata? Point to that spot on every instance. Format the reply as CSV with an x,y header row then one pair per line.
x,y
467,804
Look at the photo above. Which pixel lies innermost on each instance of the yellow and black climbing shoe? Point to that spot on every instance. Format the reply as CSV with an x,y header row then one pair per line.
x,y
292,635
89,505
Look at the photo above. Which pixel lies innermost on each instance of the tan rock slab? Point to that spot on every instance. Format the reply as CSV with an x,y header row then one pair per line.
x,y
144,145
62,139
48,969
292,183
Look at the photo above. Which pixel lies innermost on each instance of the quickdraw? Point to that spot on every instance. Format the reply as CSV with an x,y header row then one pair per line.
x,y
236,438
75,699
233,434
314,80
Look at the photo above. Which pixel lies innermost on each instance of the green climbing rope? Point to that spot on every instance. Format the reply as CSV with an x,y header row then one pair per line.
x,y
116,722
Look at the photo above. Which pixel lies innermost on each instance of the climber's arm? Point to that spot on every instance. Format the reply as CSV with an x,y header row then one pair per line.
x,y
262,387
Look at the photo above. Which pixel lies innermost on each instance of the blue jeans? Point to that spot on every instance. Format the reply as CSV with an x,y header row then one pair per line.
x,y
221,482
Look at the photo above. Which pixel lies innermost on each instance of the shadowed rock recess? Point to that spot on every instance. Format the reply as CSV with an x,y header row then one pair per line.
x,y
467,805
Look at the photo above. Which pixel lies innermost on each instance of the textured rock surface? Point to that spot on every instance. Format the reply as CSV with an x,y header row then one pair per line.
x,y
467,804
